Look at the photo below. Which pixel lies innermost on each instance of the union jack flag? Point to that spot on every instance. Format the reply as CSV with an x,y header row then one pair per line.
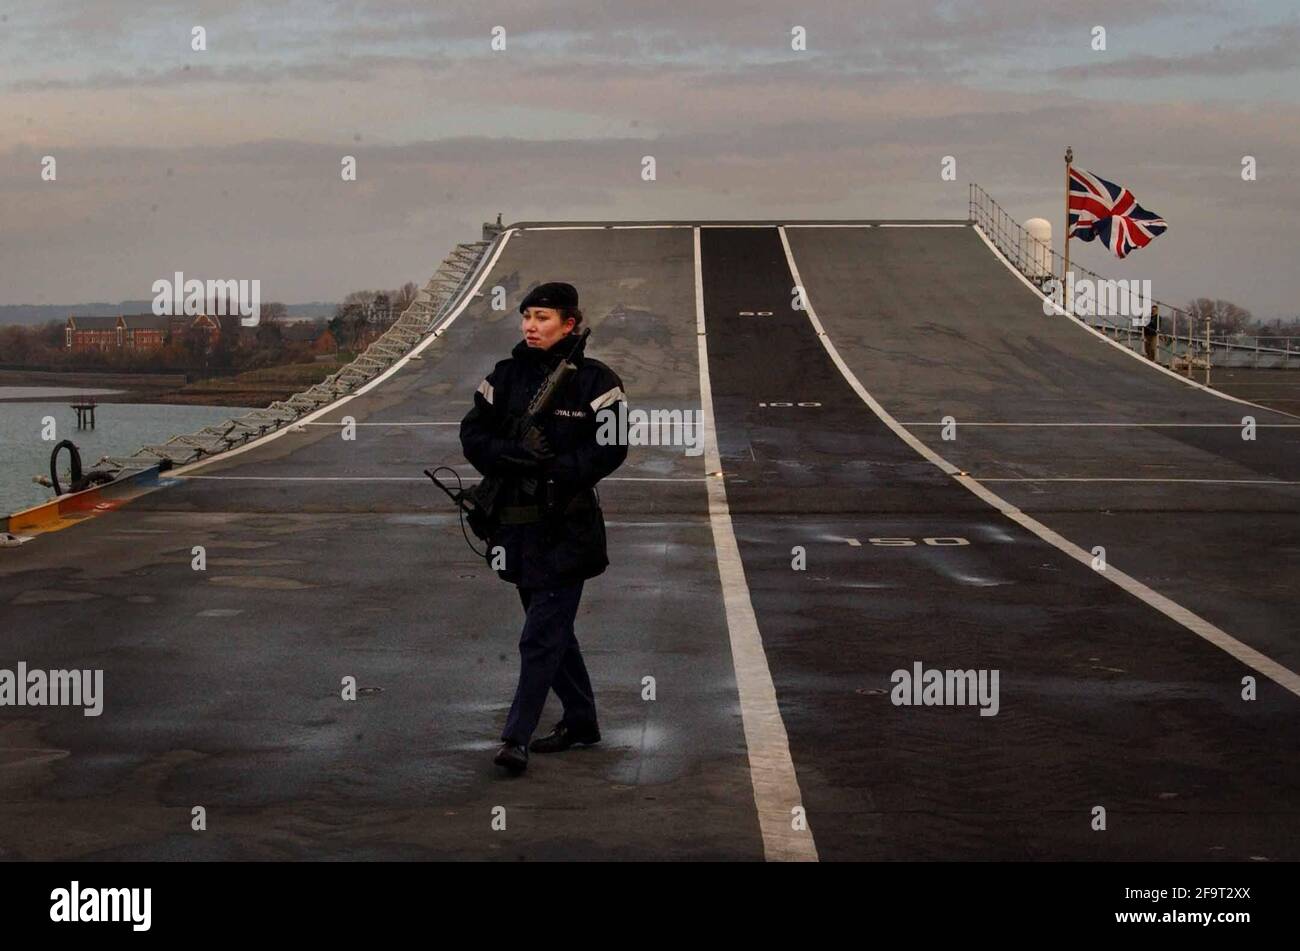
x,y
1102,209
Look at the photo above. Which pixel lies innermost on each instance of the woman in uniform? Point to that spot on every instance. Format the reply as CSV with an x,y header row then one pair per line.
x,y
551,540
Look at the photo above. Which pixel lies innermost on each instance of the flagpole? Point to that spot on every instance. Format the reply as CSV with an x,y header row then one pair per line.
x,y
1065,266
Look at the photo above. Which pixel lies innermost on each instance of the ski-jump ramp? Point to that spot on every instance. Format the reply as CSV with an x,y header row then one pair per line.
x,y
915,467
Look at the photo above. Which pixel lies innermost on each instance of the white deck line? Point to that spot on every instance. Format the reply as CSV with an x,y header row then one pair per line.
x,y
646,227
771,768
1257,661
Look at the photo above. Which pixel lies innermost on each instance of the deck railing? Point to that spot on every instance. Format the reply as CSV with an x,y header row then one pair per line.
x,y
1182,342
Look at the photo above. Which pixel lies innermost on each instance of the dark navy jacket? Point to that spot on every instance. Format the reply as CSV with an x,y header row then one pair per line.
x,y
568,546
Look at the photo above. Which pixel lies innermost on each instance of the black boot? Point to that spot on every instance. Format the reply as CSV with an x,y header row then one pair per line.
x,y
564,736
512,756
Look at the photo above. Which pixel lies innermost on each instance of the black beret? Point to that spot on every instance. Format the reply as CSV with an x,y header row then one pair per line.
x,y
556,294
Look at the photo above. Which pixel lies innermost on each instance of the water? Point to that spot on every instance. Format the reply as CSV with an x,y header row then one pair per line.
x,y
51,392
122,428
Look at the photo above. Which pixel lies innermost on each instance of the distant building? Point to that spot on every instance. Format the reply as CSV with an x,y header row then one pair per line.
x,y
177,326
209,324
83,334
144,331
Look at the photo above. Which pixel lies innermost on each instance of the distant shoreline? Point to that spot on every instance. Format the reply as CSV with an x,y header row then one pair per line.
x,y
267,386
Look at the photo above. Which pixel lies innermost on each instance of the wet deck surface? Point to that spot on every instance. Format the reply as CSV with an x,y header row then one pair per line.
x,y
1277,389
329,558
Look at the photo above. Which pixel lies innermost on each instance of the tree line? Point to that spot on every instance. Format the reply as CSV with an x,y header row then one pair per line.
x,y
1229,320
364,315
358,320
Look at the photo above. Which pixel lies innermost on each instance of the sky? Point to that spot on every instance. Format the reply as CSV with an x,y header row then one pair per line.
x,y
225,162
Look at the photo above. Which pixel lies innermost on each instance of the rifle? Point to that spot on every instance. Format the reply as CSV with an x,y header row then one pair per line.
x,y
479,505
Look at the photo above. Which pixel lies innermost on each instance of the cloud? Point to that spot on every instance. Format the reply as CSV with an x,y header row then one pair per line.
x,y
1278,50
102,42
232,167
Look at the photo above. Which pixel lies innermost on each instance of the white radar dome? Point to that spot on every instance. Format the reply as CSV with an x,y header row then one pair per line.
x,y
1039,264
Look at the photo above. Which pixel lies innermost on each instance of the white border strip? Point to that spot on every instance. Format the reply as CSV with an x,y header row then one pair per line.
x,y
1150,364
310,417
1247,655
742,224
599,227
771,768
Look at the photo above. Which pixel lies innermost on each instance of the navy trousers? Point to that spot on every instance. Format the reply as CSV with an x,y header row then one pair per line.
x,y
549,660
